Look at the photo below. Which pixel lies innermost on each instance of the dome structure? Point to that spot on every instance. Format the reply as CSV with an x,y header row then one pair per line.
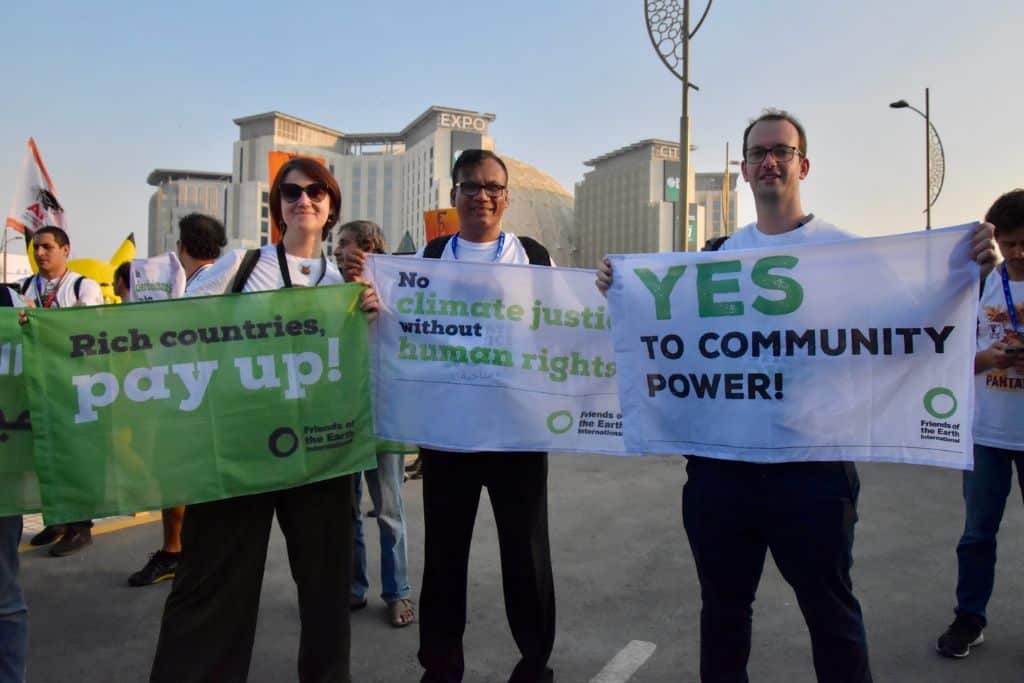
x,y
539,207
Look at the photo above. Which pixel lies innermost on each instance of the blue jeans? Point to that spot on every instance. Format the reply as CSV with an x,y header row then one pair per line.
x,y
385,485
13,612
985,492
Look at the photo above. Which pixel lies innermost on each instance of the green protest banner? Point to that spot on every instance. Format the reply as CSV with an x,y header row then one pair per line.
x,y
19,486
149,405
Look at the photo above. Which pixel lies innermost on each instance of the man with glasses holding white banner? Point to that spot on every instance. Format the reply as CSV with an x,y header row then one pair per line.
x,y
804,512
452,481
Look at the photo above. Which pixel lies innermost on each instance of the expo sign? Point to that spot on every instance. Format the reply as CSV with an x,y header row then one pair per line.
x,y
462,121
666,152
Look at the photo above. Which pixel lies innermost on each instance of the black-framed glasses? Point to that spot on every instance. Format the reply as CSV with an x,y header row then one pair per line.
x,y
782,153
472,189
315,191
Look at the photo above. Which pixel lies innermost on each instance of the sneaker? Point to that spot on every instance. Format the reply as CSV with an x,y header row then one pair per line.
x,y
73,540
962,634
160,567
48,535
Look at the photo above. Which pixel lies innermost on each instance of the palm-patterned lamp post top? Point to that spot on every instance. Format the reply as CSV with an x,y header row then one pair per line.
x,y
934,157
668,25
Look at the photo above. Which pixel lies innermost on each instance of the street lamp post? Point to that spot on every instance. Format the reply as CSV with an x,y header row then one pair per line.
x,y
934,156
668,26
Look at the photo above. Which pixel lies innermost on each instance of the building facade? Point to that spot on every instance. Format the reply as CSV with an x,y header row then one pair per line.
x,y
626,203
709,195
179,193
389,178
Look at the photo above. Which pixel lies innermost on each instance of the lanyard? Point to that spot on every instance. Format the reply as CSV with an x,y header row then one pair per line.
x,y
282,263
53,295
1009,297
497,252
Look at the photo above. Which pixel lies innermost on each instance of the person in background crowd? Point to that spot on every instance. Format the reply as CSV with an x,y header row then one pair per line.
x,y
201,239
123,282
54,286
209,620
998,429
384,483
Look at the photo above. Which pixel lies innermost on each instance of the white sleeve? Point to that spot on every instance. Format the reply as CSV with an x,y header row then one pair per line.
x,y
90,294
216,279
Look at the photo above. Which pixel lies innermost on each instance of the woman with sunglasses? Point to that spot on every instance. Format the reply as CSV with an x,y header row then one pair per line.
x,y
209,621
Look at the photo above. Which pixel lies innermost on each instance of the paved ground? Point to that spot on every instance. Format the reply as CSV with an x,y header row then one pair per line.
x,y
624,573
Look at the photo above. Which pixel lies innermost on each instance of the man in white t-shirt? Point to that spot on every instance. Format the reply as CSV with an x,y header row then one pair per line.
x,y
804,512
55,286
516,482
998,428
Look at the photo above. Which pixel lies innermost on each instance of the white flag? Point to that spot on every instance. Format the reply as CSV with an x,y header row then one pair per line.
x,y
35,199
157,278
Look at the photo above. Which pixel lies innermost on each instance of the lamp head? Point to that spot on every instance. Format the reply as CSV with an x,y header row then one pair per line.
x,y
899,104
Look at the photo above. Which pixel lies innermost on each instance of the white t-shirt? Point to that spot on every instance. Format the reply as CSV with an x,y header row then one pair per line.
x,y
89,292
814,231
999,394
266,275
16,299
512,251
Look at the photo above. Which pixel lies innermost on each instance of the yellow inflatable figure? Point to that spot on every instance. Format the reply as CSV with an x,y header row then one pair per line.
x,y
100,271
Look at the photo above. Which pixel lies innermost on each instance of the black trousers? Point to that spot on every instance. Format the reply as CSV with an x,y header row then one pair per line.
x,y
517,485
804,513
209,620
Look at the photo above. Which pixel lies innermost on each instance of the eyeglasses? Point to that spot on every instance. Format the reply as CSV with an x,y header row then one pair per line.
x,y
472,189
315,191
782,153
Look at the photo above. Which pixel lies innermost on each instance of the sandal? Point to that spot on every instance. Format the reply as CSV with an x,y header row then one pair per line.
x,y
401,612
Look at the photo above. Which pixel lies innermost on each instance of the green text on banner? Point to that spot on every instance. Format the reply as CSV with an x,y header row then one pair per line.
x,y
856,350
146,406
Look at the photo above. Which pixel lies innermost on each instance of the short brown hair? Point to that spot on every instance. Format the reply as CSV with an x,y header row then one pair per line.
x,y
318,172
778,115
1007,212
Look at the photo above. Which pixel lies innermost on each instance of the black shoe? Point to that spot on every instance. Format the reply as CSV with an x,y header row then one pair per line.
x,y
160,567
48,535
962,634
72,541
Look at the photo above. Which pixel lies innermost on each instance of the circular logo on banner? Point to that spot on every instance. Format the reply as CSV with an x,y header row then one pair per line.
x,y
938,398
283,442
559,422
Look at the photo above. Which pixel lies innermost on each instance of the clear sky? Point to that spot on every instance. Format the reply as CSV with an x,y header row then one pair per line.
x,y
112,90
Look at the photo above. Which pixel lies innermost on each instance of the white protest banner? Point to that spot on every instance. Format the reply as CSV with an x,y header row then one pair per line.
x,y
158,278
856,350
491,357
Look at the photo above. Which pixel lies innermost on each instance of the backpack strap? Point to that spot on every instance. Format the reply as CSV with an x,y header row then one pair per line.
x,y
535,251
6,300
435,247
25,285
78,286
245,268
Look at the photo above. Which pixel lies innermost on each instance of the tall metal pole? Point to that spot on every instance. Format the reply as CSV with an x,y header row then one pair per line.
x,y
725,193
4,278
683,208
927,162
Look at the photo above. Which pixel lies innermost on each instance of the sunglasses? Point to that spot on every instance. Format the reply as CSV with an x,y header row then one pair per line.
x,y
315,191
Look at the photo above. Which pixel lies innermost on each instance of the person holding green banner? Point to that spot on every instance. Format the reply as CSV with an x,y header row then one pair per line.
x,y
209,620
55,286
13,611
